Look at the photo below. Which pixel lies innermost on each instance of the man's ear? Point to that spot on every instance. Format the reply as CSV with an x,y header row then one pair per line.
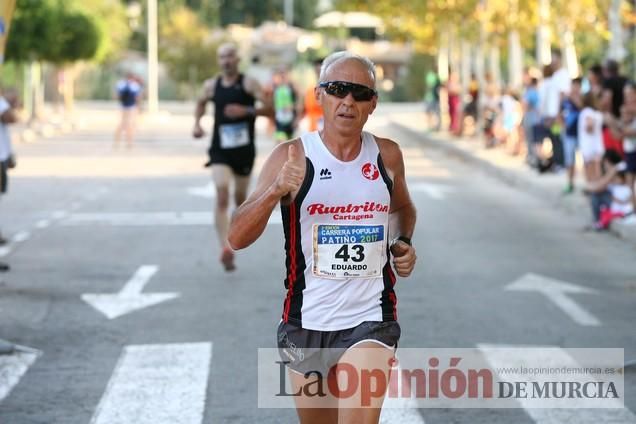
x,y
318,94
374,104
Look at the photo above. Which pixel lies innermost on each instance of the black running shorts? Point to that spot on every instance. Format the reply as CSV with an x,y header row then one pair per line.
x,y
310,350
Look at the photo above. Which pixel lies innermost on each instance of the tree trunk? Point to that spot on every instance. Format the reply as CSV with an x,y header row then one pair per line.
x,y
544,56
616,49
570,59
515,60
68,89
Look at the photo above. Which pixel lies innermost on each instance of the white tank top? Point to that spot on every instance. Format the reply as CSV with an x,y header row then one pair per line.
x,y
336,241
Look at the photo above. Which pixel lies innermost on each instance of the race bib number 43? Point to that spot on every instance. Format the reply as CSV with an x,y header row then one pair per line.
x,y
348,251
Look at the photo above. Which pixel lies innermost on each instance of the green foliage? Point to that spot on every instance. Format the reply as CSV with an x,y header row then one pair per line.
x,y
76,37
112,24
424,21
186,48
250,12
46,30
31,30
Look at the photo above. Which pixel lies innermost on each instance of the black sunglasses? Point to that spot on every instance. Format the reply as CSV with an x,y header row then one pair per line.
x,y
340,89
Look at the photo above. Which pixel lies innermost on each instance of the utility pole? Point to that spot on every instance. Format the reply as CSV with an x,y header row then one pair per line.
x,y
153,58
289,12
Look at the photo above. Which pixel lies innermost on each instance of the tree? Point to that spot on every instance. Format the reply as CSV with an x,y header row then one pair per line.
x,y
186,47
50,31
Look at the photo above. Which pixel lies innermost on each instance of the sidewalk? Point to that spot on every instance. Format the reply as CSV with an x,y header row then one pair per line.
x,y
511,170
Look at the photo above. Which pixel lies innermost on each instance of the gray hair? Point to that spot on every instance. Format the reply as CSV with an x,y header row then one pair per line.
x,y
340,56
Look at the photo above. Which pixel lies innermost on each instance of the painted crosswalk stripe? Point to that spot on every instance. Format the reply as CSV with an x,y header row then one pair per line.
x,y
143,219
400,410
12,368
157,384
21,236
500,357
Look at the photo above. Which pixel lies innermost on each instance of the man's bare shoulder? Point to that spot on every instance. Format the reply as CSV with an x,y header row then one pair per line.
x,y
390,150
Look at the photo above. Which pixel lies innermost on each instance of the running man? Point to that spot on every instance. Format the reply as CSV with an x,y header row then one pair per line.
x,y
232,151
346,210
128,94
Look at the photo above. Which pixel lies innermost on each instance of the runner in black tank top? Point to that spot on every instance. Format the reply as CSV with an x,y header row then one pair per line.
x,y
238,151
232,149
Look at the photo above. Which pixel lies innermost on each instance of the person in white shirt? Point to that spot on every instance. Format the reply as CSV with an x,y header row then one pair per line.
x,y
337,188
590,132
8,104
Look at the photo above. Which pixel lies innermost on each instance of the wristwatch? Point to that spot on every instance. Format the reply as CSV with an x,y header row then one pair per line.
x,y
405,239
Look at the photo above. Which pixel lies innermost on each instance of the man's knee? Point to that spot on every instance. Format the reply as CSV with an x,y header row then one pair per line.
x,y
222,197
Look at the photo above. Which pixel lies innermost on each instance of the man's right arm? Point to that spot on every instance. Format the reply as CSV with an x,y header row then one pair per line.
x,y
282,175
206,93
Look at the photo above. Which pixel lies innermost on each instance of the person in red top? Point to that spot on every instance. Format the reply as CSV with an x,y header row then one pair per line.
x,y
312,109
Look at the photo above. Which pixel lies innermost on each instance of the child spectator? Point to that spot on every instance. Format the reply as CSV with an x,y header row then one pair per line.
x,y
570,110
621,203
511,115
599,190
531,118
590,127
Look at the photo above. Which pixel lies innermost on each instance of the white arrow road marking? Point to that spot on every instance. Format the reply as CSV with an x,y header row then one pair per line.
x,y
508,357
435,191
157,384
21,236
12,368
130,298
555,291
208,191
400,409
142,219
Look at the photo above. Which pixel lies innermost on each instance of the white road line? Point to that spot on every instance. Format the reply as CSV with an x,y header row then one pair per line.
x,y
555,291
12,368
157,384
21,236
5,250
149,219
400,410
500,357
435,191
59,215
43,223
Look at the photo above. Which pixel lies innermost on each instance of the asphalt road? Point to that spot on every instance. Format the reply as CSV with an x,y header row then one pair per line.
x,y
85,218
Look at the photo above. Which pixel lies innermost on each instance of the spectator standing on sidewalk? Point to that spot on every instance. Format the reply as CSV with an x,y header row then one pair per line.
x,y
531,118
431,100
625,128
562,84
548,110
613,86
9,104
594,80
571,108
454,90
590,134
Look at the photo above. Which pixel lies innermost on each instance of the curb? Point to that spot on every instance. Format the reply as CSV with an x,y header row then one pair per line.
x,y
576,207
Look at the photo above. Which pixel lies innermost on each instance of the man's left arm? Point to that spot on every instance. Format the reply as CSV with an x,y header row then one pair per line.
x,y
402,212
